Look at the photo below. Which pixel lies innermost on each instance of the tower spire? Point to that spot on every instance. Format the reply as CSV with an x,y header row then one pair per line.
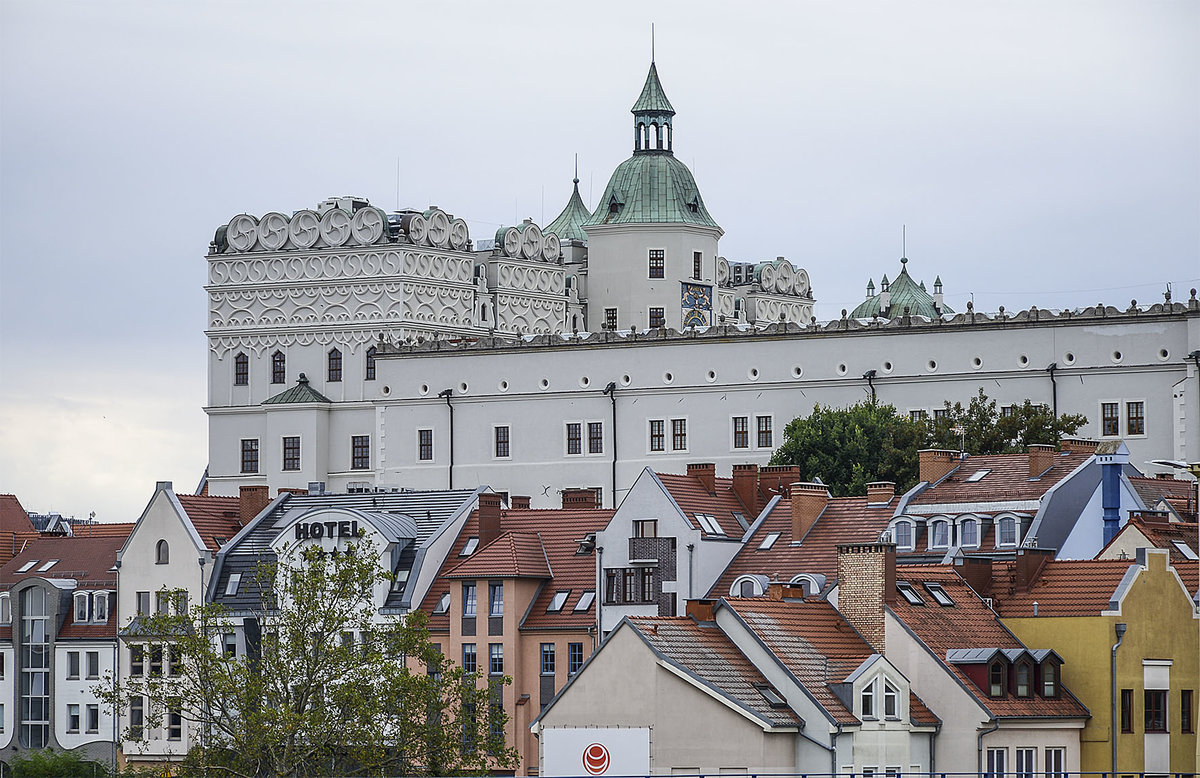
x,y
652,117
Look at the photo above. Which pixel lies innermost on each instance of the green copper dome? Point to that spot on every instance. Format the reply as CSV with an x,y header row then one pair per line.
x,y
904,293
652,188
653,99
568,225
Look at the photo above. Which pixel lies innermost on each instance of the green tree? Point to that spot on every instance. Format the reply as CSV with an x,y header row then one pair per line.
x,y
48,763
307,698
847,448
985,430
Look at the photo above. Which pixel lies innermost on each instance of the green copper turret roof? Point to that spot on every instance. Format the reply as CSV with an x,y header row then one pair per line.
x,y
652,99
904,293
652,188
568,225
300,393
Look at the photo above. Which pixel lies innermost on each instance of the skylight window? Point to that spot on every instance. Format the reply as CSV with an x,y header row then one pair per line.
x,y
768,541
585,601
231,586
977,475
1184,549
709,523
770,695
443,604
472,544
27,566
559,600
938,594
47,566
909,593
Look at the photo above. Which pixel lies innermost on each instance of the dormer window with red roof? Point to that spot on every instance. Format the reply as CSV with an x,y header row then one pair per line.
x,y
968,533
902,532
996,679
81,607
939,533
1006,532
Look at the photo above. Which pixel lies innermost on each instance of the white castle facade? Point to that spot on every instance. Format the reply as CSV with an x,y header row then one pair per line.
x,y
608,341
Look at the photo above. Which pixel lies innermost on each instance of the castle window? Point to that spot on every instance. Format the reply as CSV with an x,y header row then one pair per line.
x,y
679,434
1110,419
595,437
574,438
764,432
425,445
291,452
249,455
241,370
335,365
657,435
610,318
657,317
1135,422
501,442
360,452
370,371
741,432
278,368
697,260
658,263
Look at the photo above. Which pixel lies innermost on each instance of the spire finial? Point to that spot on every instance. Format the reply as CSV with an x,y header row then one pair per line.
x,y
904,244
651,43
576,179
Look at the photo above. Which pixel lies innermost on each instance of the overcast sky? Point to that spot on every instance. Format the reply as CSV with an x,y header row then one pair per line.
x,y
1040,153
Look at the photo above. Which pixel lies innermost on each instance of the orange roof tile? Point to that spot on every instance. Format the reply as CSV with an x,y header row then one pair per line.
x,y
559,531
1073,588
816,645
102,530
13,517
1179,493
968,624
711,656
722,503
1008,479
213,517
512,555
844,520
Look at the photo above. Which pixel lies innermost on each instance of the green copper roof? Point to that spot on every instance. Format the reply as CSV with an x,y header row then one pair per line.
x,y
300,393
905,293
651,188
652,98
568,225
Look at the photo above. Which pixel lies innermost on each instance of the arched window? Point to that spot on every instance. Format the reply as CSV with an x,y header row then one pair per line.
x,y
335,365
902,533
1049,679
968,533
162,553
939,533
1024,679
5,608
748,586
278,368
370,373
81,607
1006,532
483,311
241,369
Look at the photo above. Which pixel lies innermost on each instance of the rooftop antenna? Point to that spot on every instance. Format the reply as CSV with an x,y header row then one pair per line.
x,y
651,43
397,183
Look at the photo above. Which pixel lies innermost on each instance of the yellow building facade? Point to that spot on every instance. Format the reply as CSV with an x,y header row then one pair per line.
x,y
1074,608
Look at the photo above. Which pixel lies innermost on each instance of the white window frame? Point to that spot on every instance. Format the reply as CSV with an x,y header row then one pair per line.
x,y
505,426
733,446
930,524
583,438
687,434
232,584
912,533
77,600
735,588
1120,403
867,697
998,521
958,530
5,609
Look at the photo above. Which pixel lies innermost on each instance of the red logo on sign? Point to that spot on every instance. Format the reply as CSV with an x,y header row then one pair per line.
x,y
595,759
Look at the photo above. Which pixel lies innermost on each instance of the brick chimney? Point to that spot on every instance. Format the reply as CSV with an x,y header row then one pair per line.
x,y
977,572
251,501
936,463
489,518
290,490
866,581
518,502
579,498
700,610
745,486
775,479
1030,562
706,473
1079,445
778,590
808,500
880,492
1041,457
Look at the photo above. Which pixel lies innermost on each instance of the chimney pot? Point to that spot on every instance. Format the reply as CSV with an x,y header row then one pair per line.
x,y
579,498
808,501
1041,457
489,518
251,501
706,474
866,581
745,486
700,610
935,464
519,502
880,492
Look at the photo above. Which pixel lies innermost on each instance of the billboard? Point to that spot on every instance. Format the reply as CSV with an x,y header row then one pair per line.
x,y
593,751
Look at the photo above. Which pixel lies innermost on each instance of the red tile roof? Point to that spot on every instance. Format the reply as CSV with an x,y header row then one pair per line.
x,y
971,624
844,520
512,555
692,497
709,654
1008,479
1071,587
1180,494
559,531
14,523
102,530
213,517
817,646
